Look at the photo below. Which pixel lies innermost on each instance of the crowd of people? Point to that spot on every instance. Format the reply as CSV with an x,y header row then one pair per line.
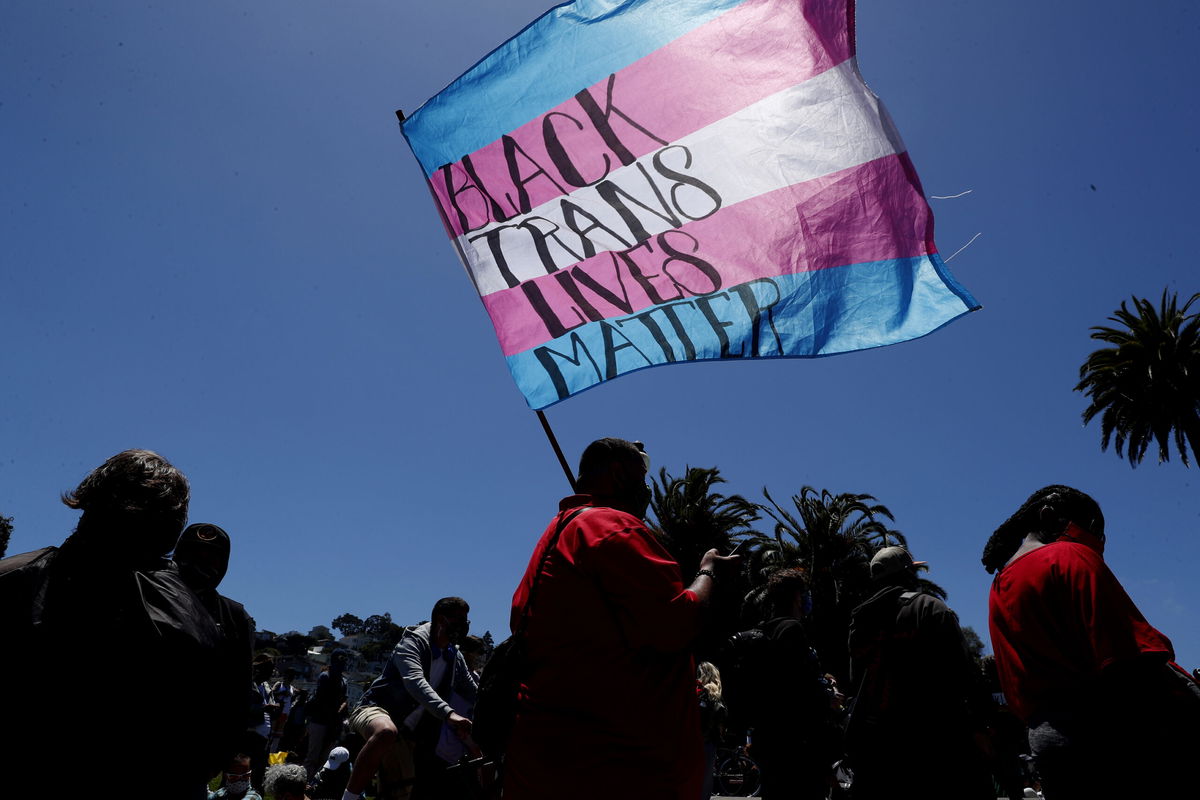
x,y
1083,697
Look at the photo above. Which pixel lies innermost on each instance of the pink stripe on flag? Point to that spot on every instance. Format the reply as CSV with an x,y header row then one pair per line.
x,y
750,52
871,212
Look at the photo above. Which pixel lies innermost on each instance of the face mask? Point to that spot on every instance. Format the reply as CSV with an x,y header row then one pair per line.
x,y
1074,533
198,577
237,787
640,499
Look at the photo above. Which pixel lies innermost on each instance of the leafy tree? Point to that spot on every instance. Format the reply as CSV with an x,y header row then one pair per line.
x,y
489,647
6,529
348,625
376,625
1146,387
376,650
320,633
293,643
975,645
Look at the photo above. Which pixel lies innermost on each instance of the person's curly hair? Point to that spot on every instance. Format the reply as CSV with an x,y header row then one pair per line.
x,y
138,483
1064,505
782,587
286,779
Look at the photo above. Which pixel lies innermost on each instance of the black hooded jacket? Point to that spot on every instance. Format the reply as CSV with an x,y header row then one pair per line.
x,y
201,548
99,638
909,664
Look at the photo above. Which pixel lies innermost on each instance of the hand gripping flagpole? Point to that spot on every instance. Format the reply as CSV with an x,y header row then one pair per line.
x,y
557,450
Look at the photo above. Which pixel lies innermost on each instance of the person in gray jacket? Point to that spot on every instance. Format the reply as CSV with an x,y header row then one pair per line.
x,y
401,714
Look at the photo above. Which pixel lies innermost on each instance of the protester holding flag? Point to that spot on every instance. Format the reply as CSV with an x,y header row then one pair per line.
x,y
611,614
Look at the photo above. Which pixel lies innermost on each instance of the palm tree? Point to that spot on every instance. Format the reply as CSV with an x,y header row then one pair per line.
x,y
833,537
690,518
1146,387
829,529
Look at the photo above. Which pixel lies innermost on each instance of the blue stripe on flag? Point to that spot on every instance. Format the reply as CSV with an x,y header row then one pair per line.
x,y
567,49
811,314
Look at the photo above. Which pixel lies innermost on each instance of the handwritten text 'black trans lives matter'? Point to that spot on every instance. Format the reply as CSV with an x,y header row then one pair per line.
x,y
668,266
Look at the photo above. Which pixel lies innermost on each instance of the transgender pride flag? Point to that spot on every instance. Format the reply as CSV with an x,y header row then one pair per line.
x,y
646,182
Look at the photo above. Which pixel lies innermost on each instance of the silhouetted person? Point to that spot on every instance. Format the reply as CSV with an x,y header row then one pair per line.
x,y
1108,715
712,720
257,733
203,558
235,783
325,712
330,781
795,741
108,615
608,706
917,729
286,782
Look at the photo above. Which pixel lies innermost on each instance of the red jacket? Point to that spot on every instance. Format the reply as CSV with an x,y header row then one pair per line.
x,y
1058,616
609,705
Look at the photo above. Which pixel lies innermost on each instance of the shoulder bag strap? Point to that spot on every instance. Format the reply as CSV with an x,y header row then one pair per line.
x,y
563,522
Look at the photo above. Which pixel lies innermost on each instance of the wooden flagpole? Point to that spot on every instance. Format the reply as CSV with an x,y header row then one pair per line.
x,y
557,450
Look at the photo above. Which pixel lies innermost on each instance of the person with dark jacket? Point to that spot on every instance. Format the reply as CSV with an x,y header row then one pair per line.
x,y
203,559
110,585
916,729
713,714
325,711
794,740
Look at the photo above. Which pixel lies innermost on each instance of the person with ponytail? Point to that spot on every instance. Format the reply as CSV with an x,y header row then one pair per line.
x,y
1077,660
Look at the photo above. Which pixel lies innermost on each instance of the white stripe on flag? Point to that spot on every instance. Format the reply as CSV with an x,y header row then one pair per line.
x,y
824,125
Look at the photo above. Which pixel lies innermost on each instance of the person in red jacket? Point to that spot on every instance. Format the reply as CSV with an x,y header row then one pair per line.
x,y
608,706
1078,662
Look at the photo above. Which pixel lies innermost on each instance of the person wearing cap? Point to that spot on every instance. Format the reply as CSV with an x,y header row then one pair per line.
x,y
1079,664
608,706
330,781
915,729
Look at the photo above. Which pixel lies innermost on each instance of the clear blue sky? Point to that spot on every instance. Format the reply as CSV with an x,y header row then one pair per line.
x,y
216,244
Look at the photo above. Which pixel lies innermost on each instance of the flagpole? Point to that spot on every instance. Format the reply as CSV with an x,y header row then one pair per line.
x,y
557,450
562,460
